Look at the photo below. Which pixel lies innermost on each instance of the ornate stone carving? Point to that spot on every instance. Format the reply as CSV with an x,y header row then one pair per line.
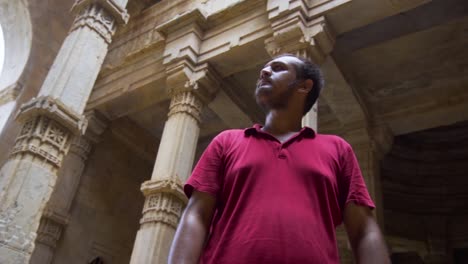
x,y
49,231
310,39
115,10
186,102
44,138
164,201
54,109
98,19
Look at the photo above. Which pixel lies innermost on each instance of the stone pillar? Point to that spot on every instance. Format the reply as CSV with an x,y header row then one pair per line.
x,y
57,213
165,199
311,118
49,124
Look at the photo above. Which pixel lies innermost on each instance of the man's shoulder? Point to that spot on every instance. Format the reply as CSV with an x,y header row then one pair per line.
x,y
230,135
333,140
330,138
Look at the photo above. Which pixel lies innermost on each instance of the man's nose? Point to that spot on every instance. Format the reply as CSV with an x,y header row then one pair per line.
x,y
265,72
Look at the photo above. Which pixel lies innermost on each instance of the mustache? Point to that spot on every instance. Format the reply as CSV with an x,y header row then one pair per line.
x,y
263,80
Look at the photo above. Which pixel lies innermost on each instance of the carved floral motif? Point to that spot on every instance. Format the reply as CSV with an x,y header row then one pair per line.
x,y
164,202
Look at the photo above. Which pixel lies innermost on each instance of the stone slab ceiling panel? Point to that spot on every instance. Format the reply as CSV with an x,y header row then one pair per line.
x,y
411,69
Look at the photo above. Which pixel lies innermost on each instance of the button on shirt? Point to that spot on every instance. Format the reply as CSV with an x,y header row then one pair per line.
x,y
277,202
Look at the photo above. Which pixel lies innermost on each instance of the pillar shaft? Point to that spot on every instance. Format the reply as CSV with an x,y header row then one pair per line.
x,y
49,123
164,195
56,215
311,118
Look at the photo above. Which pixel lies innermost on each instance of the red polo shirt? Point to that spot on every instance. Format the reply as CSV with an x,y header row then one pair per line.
x,y
277,203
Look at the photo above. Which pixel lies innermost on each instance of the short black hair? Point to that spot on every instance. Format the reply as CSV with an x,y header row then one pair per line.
x,y
308,70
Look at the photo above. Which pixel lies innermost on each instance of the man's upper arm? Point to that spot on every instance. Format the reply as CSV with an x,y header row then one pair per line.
x,y
203,205
356,219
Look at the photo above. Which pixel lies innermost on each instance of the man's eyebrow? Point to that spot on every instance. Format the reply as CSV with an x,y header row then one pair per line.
x,y
274,62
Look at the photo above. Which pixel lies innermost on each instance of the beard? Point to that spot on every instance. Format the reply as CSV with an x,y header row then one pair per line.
x,y
274,101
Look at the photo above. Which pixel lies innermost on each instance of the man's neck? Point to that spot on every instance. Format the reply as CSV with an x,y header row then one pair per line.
x,y
281,122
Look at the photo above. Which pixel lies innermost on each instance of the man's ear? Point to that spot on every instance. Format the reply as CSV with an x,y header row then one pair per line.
x,y
306,86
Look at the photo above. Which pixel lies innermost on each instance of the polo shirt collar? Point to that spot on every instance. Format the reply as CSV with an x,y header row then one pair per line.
x,y
257,128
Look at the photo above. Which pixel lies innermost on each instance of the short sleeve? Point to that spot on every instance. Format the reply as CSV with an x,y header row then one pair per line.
x,y
353,184
207,173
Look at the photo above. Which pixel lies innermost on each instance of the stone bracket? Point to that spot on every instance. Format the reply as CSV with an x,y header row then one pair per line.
x,y
183,35
200,79
55,110
118,12
51,227
312,39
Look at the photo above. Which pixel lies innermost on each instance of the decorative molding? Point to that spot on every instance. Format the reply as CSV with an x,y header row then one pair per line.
x,y
170,185
312,8
116,11
201,79
294,34
54,109
44,138
187,103
97,18
183,35
164,203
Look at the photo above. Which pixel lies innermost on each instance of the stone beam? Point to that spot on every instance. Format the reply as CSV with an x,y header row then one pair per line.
x,y
433,113
340,97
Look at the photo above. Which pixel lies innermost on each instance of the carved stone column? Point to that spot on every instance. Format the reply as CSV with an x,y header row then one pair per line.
x,y
49,124
191,88
57,213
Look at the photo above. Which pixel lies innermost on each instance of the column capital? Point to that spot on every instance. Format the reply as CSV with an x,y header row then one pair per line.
x,y
311,39
54,109
117,11
172,185
100,16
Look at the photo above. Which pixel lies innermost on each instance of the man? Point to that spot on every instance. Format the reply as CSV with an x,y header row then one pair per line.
x,y
275,194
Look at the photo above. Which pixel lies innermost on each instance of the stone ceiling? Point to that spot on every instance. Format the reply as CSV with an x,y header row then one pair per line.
x,y
411,69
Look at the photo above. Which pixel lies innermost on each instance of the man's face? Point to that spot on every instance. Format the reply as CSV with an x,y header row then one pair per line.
x,y
277,82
